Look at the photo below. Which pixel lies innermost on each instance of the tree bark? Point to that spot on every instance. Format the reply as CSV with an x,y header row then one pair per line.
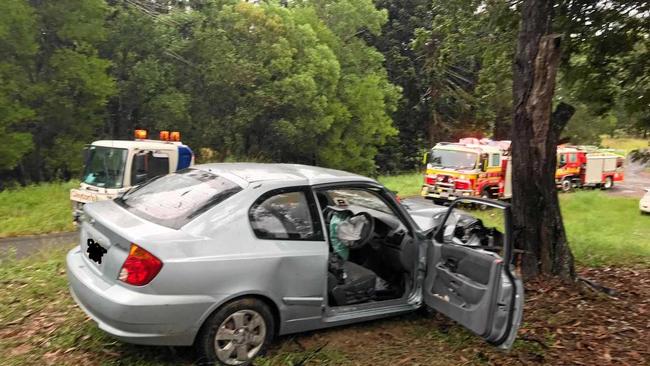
x,y
501,126
538,226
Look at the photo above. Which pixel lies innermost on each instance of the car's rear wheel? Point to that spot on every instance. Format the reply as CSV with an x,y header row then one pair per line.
x,y
236,333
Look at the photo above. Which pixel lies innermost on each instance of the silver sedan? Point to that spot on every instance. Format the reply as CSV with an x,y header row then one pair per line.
x,y
226,256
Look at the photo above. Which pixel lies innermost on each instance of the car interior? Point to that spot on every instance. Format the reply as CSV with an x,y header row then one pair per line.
x,y
370,256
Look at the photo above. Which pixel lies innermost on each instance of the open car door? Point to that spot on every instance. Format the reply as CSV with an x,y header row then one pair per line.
x,y
469,275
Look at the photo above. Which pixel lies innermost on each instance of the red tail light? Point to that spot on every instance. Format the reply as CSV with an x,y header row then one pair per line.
x,y
460,184
140,267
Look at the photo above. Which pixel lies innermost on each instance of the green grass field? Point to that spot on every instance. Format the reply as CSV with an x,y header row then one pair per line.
x,y
624,144
36,209
602,229
405,185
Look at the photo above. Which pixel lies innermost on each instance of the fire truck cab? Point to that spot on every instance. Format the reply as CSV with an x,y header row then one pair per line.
x,y
587,167
463,169
111,167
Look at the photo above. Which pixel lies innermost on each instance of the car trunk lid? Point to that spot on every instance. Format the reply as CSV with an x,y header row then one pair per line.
x,y
106,233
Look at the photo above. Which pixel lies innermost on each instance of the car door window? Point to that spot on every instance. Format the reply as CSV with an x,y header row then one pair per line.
x,y
285,215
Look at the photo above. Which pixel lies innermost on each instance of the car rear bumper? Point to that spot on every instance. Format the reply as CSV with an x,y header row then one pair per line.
x,y
132,316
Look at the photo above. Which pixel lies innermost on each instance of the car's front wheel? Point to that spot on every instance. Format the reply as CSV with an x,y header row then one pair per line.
x,y
236,333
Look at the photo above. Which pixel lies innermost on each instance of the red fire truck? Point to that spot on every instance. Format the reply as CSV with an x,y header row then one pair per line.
x,y
470,167
576,167
587,167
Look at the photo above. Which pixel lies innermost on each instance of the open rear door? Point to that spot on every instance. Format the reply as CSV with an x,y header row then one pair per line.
x,y
472,281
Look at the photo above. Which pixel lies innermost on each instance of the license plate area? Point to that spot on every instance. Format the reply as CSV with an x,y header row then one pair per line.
x,y
95,251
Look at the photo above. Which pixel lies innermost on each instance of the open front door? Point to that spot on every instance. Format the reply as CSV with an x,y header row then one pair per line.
x,y
469,277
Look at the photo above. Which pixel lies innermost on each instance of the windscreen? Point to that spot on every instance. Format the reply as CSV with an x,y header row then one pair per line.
x,y
105,167
175,199
452,159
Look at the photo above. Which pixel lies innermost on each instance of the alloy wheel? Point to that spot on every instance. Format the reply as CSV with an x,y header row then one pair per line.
x,y
240,337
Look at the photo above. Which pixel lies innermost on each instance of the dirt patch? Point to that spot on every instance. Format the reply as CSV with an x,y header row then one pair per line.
x,y
563,325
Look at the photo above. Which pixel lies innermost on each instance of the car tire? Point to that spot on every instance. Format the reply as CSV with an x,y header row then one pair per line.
x,y
236,333
609,183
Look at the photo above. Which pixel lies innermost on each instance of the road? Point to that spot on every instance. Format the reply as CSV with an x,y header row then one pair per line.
x,y
27,245
637,178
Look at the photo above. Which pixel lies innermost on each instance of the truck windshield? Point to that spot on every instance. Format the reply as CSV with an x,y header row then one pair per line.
x,y
105,167
175,199
452,159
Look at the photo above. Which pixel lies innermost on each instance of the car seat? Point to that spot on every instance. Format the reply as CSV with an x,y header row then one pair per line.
x,y
348,282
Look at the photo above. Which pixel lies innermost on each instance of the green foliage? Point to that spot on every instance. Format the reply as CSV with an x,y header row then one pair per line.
x,y
359,85
288,84
53,84
469,53
17,47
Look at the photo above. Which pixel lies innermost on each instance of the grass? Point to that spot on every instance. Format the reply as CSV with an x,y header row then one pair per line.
x,y
624,144
40,324
36,209
602,229
405,185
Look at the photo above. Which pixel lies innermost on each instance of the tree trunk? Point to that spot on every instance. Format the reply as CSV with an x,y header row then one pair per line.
x,y
501,126
538,227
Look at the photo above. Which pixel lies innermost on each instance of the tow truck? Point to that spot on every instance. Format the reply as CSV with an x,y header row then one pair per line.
x,y
467,168
111,167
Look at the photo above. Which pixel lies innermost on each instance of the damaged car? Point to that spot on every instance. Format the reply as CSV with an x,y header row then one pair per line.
x,y
227,256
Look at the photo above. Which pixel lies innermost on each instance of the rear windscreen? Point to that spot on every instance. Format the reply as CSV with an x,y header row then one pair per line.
x,y
175,199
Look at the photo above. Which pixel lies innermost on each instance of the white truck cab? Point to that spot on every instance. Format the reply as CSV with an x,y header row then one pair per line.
x,y
111,167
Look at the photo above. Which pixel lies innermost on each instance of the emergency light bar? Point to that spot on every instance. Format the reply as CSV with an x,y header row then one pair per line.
x,y
140,134
164,135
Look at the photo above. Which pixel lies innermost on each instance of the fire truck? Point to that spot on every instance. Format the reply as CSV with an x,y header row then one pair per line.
x,y
111,167
587,167
577,166
470,167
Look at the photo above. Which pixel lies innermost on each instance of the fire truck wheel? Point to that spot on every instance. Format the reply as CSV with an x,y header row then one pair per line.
x,y
609,183
566,185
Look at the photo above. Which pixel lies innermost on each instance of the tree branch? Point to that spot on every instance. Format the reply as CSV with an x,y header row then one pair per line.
x,y
561,116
